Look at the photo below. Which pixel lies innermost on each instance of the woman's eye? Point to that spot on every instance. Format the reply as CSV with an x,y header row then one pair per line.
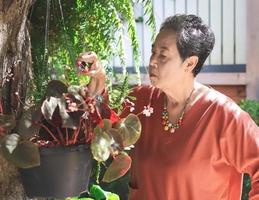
x,y
162,56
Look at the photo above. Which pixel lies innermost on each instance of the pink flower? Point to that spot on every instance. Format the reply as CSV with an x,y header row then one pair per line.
x,y
132,109
72,107
127,101
148,111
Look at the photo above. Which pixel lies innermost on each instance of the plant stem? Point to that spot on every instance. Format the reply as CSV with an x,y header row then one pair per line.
x,y
97,173
60,135
51,134
67,137
1,106
76,132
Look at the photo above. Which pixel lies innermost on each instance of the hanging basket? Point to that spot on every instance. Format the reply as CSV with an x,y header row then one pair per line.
x,y
63,172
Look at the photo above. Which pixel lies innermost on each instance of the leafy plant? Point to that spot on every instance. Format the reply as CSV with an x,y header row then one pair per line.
x,y
69,116
63,29
252,107
97,193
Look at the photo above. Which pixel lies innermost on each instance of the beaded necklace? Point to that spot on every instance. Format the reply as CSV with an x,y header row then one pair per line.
x,y
169,126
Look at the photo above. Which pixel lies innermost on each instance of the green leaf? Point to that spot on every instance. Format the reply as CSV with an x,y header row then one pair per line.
x,y
23,154
97,192
79,198
119,167
130,128
112,196
56,88
101,144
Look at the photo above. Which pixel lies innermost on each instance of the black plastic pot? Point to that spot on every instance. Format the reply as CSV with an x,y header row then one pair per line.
x,y
63,172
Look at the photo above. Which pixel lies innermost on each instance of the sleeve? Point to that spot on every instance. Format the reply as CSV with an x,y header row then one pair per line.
x,y
242,148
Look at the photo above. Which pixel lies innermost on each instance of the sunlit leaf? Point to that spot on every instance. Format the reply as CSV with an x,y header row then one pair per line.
x,y
117,144
10,142
25,155
48,107
119,167
97,192
101,145
130,128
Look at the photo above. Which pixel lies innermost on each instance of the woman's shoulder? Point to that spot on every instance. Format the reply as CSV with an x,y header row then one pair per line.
x,y
224,104
145,91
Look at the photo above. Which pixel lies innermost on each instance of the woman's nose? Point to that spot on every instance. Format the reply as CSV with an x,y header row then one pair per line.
x,y
152,61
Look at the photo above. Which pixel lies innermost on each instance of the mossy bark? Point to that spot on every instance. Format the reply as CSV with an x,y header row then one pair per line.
x,y
15,73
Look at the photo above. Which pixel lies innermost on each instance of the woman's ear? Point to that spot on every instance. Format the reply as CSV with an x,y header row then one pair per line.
x,y
190,63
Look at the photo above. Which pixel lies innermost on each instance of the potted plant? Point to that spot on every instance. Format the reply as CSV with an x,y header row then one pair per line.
x,y
55,142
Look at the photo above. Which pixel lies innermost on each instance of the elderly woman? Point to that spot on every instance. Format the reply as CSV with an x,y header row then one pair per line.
x,y
198,142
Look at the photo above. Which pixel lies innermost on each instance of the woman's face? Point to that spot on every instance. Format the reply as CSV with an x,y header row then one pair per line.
x,y
165,66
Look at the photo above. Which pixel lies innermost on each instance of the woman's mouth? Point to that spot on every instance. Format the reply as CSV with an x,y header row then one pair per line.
x,y
151,75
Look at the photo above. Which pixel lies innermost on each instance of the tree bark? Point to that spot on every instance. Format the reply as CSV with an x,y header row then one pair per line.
x,y
15,73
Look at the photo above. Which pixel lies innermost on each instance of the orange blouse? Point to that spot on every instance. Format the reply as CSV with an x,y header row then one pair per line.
x,y
202,160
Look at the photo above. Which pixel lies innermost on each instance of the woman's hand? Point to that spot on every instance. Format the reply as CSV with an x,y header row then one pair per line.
x,y
93,66
90,65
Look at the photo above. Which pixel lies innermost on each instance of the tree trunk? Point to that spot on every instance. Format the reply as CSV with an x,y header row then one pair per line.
x,y
15,72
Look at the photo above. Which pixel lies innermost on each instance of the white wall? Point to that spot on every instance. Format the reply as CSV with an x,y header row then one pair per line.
x,y
227,18
252,49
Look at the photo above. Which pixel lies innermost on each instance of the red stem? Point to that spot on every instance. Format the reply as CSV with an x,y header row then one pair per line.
x,y
1,107
76,132
89,132
61,136
47,129
67,137
1,131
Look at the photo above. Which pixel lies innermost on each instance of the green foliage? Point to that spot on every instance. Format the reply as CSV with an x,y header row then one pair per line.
x,y
97,193
246,187
252,107
118,93
63,29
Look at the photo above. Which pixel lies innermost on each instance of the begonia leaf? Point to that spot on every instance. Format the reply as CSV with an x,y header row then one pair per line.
x,y
119,167
101,144
117,144
48,107
130,128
